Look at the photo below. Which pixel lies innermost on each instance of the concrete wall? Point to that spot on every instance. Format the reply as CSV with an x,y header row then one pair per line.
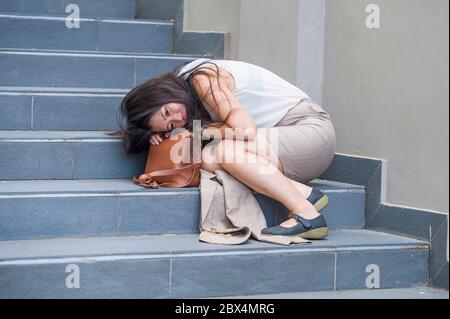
x,y
387,92
215,15
263,32
268,35
310,47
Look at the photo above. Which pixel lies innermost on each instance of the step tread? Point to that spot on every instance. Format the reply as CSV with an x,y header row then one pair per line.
x,y
96,19
125,247
15,187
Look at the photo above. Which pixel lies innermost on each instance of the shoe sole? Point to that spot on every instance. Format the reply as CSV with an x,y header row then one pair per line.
x,y
321,203
318,233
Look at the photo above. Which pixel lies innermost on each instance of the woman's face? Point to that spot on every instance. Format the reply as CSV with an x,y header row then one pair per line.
x,y
170,116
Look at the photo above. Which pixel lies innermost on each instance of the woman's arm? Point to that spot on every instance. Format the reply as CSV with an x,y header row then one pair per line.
x,y
238,123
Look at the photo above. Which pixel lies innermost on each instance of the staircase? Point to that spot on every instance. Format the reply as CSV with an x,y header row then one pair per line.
x,y
73,225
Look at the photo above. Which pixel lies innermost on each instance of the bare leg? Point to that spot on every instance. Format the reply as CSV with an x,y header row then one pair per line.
x,y
274,184
263,148
305,190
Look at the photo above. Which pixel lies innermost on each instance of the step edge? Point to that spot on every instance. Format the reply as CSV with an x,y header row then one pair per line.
x,y
98,54
48,90
338,188
56,135
190,254
89,19
97,193
63,194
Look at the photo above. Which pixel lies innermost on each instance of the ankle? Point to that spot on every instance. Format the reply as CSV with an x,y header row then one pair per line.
x,y
307,214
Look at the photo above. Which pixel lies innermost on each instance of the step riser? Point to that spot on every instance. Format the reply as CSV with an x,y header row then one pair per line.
x,y
91,36
88,8
81,71
68,160
205,276
175,213
72,112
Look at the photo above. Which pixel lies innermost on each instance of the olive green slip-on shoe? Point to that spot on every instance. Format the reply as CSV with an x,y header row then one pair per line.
x,y
318,199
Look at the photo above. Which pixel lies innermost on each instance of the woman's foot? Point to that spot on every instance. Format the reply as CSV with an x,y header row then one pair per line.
x,y
291,222
309,211
310,225
316,198
315,228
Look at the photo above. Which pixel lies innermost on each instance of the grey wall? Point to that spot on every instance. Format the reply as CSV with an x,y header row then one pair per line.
x,y
263,32
310,47
387,92
268,35
215,15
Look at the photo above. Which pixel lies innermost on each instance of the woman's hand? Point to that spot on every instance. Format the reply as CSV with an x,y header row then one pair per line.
x,y
155,139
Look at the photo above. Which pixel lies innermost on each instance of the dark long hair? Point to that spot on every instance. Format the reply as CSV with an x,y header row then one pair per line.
x,y
148,97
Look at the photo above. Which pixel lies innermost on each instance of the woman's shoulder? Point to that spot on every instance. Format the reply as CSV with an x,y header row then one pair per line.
x,y
215,71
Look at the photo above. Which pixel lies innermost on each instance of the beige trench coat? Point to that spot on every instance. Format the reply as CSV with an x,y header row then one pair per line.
x,y
230,213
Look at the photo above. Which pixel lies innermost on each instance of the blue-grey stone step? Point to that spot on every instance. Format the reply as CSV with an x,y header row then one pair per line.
x,y
88,8
59,111
65,155
179,266
86,208
78,70
33,32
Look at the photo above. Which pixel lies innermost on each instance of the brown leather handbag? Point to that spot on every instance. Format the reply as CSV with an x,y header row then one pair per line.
x,y
161,172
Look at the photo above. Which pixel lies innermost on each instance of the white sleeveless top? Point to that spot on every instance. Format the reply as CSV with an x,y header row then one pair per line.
x,y
265,95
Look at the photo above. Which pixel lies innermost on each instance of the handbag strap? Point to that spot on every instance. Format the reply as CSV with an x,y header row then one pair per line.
x,y
150,183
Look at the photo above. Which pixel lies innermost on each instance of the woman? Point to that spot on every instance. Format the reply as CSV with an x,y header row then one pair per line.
x,y
253,104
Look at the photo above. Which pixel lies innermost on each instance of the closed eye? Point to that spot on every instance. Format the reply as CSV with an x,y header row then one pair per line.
x,y
164,115
167,113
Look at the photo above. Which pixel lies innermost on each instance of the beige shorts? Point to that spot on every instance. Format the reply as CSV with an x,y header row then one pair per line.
x,y
305,143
